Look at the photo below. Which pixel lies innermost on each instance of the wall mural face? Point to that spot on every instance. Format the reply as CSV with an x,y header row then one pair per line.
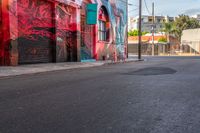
x,y
46,30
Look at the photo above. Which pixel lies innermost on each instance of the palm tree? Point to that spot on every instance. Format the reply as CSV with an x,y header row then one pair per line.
x,y
169,29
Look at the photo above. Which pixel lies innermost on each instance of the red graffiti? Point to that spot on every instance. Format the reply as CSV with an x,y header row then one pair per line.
x,y
38,27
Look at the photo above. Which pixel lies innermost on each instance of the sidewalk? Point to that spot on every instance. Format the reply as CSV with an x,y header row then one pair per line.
x,y
6,71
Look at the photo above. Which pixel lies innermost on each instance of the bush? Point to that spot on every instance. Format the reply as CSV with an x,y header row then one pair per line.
x,y
135,33
162,39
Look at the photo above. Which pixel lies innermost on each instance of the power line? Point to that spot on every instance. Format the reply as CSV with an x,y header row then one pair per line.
x,y
133,10
147,7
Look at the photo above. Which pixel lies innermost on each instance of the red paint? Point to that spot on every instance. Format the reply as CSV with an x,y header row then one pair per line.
x,y
4,55
94,42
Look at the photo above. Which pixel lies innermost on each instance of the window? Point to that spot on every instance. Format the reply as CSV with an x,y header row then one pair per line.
x,y
150,20
104,25
102,30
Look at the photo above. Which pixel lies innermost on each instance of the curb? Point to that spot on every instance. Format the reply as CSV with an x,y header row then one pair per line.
x,y
67,68
46,71
126,61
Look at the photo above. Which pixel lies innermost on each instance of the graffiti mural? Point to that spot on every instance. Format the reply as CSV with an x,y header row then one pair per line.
x,y
1,34
118,30
66,33
33,31
87,35
5,37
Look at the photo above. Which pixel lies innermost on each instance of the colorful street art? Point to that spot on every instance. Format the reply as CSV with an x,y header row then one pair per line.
x,y
34,31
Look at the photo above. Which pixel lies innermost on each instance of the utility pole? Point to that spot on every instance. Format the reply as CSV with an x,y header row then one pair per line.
x,y
127,29
140,30
153,26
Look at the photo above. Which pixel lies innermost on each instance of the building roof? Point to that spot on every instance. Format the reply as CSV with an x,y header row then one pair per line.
x,y
147,39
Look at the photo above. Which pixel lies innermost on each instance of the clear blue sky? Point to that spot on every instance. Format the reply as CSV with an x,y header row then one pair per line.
x,y
167,7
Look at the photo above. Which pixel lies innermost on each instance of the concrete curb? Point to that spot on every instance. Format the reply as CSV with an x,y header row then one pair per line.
x,y
31,71
6,72
127,61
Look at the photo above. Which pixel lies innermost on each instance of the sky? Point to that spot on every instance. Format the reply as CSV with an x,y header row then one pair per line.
x,y
166,7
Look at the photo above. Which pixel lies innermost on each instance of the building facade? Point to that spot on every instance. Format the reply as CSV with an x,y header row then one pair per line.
x,y
41,31
147,23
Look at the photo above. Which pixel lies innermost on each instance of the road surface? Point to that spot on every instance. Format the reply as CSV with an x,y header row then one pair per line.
x,y
159,95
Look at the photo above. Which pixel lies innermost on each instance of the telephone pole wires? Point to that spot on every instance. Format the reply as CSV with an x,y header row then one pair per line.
x,y
153,30
140,30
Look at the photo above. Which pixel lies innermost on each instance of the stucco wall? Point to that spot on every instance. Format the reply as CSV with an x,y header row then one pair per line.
x,y
191,38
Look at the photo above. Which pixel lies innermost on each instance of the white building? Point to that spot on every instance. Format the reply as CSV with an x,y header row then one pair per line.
x,y
147,22
190,41
197,16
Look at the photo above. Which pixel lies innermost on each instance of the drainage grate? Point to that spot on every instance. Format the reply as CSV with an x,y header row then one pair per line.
x,y
153,71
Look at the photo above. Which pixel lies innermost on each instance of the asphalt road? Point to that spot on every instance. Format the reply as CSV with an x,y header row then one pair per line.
x,y
160,95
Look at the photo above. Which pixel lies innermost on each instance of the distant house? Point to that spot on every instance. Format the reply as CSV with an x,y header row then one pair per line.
x,y
133,22
197,16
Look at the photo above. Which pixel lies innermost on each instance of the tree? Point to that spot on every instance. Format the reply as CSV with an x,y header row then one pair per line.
x,y
169,29
184,22
181,23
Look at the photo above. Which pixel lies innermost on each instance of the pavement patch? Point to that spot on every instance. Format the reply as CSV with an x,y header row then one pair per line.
x,y
153,71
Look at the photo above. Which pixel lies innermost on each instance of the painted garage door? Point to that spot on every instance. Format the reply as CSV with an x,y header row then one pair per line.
x,y
35,24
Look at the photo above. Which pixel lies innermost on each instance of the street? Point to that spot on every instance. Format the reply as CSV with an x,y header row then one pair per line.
x,y
159,95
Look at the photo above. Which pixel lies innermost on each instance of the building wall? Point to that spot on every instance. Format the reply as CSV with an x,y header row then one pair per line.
x,y
34,31
190,41
118,30
5,33
197,16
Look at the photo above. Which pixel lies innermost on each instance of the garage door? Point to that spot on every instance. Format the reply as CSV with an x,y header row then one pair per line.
x,y
35,25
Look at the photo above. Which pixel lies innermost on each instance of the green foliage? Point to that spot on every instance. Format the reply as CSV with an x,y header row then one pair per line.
x,y
133,33
162,40
136,32
169,28
145,32
183,22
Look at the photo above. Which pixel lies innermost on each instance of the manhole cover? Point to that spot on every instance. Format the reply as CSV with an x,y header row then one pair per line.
x,y
153,71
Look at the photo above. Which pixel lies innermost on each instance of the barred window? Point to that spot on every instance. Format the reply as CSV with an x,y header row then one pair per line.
x,y
103,25
102,30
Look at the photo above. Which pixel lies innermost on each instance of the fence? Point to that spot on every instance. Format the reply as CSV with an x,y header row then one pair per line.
x,y
146,49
